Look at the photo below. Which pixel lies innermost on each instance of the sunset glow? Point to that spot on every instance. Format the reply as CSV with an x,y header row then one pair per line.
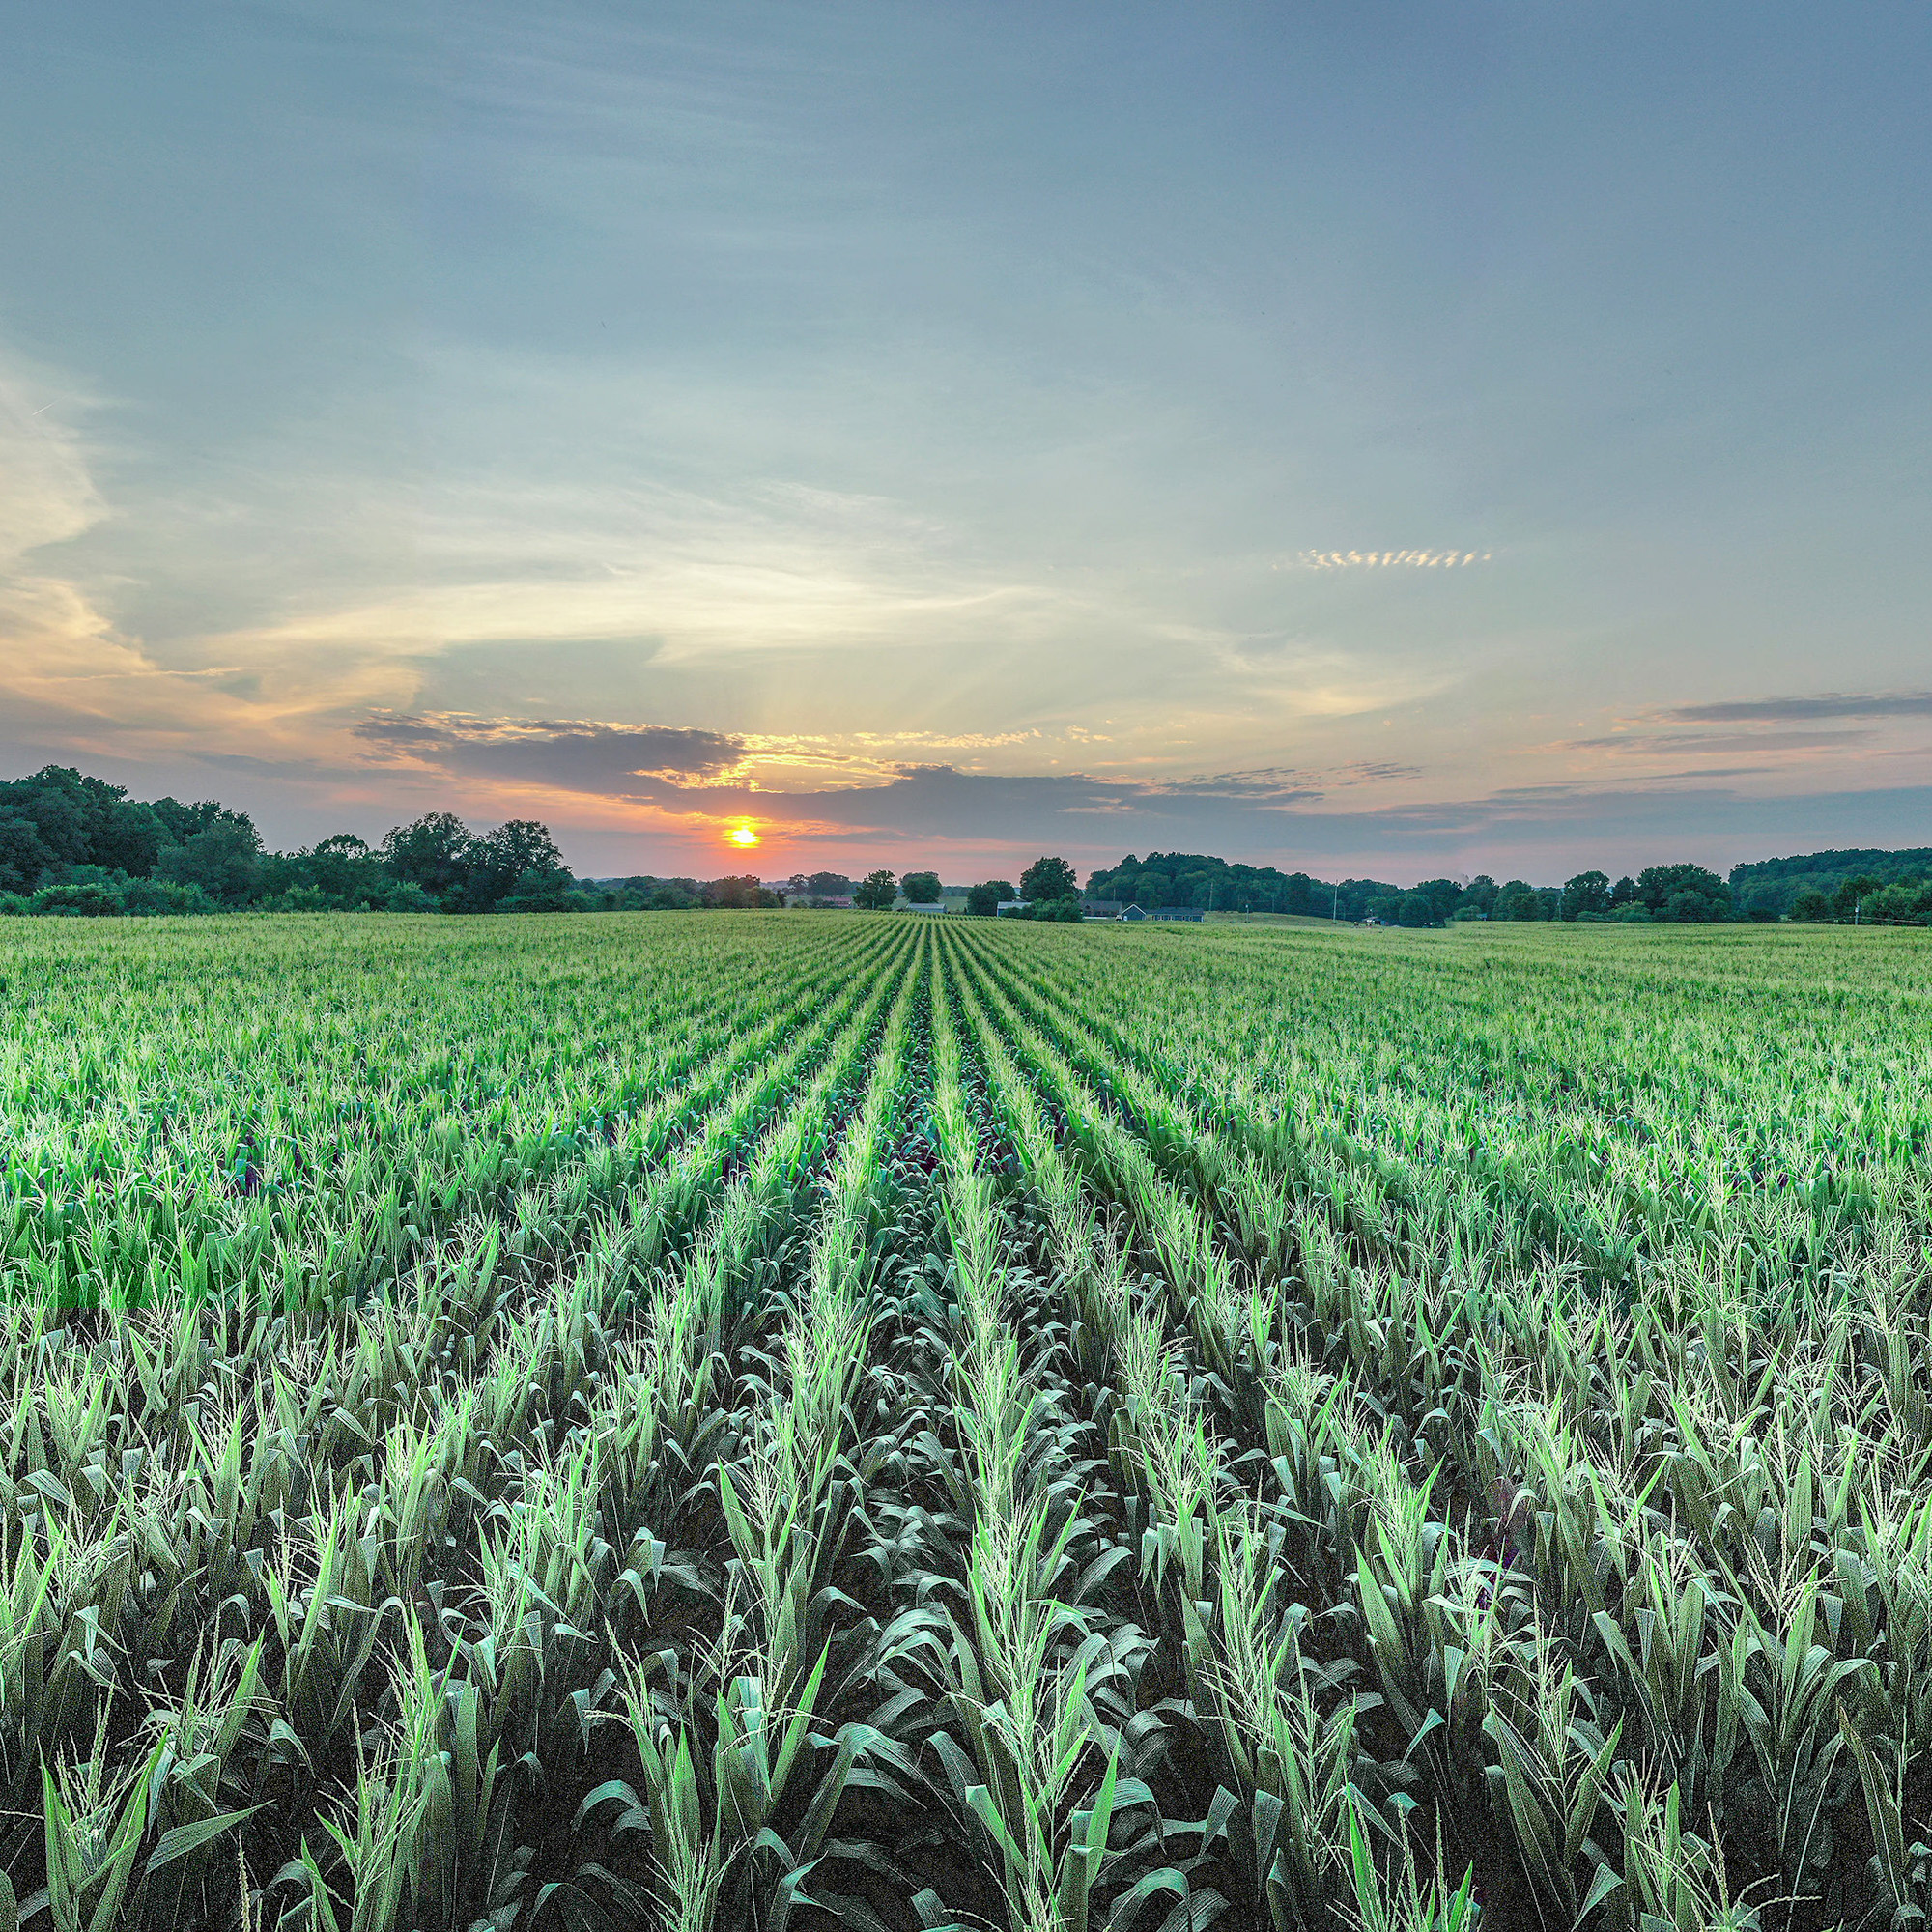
x,y
744,836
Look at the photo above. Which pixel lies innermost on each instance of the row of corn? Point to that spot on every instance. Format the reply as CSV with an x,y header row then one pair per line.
x,y
851,1421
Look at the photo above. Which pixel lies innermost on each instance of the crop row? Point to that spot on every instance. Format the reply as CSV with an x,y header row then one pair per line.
x,y
872,1422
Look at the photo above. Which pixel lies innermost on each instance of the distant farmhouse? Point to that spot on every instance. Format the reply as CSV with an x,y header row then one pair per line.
x,y
1191,913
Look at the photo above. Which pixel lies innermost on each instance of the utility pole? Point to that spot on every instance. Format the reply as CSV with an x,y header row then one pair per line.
x,y
1335,911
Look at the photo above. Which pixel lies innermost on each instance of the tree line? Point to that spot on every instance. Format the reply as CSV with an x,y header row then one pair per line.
x,y
77,846
1676,892
1885,887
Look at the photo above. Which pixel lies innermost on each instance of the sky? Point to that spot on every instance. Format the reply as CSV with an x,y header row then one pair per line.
x,y
1383,440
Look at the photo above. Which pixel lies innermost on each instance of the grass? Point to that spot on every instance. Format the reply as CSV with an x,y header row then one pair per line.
x,y
736,1420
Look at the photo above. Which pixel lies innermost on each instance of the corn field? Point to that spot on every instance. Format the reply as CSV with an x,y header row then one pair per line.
x,y
795,1421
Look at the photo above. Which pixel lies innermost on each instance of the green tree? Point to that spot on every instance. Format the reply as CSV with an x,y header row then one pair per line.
x,y
1683,892
183,821
433,853
224,861
539,889
983,901
1899,901
1587,891
1848,901
1416,908
519,857
921,888
340,874
875,891
24,855
1810,907
1049,879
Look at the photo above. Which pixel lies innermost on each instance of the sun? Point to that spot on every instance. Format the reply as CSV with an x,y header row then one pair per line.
x,y
744,836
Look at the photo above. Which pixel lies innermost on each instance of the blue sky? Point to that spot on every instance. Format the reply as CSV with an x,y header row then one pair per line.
x,y
1388,439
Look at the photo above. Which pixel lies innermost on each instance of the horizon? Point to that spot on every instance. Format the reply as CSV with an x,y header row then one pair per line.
x,y
1430,442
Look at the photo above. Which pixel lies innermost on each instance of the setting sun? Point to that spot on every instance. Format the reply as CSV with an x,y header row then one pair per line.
x,y
743,835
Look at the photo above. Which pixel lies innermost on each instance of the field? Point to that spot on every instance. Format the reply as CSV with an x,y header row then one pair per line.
x,y
785,1420
1309,921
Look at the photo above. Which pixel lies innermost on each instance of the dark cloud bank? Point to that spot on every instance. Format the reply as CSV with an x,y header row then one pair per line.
x,y
1263,816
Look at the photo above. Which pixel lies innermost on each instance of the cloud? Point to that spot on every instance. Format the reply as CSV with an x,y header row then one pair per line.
x,y
63,666
1373,771
1680,744
1388,560
1275,784
1831,704
568,754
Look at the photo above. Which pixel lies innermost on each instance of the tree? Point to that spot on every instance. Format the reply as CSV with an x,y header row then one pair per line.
x,y
539,889
1049,879
1479,897
1517,900
1899,901
1848,901
875,891
130,836
60,817
1416,908
1587,891
921,888
431,853
1810,906
1443,897
23,854
340,874
223,861
500,861
183,821
982,902
828,886
1683,892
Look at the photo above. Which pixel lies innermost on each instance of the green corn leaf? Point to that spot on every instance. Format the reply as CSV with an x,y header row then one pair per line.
x,y
183,1840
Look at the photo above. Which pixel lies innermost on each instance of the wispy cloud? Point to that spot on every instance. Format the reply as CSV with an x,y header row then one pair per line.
x,y
1829,704
63,665
1388,560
